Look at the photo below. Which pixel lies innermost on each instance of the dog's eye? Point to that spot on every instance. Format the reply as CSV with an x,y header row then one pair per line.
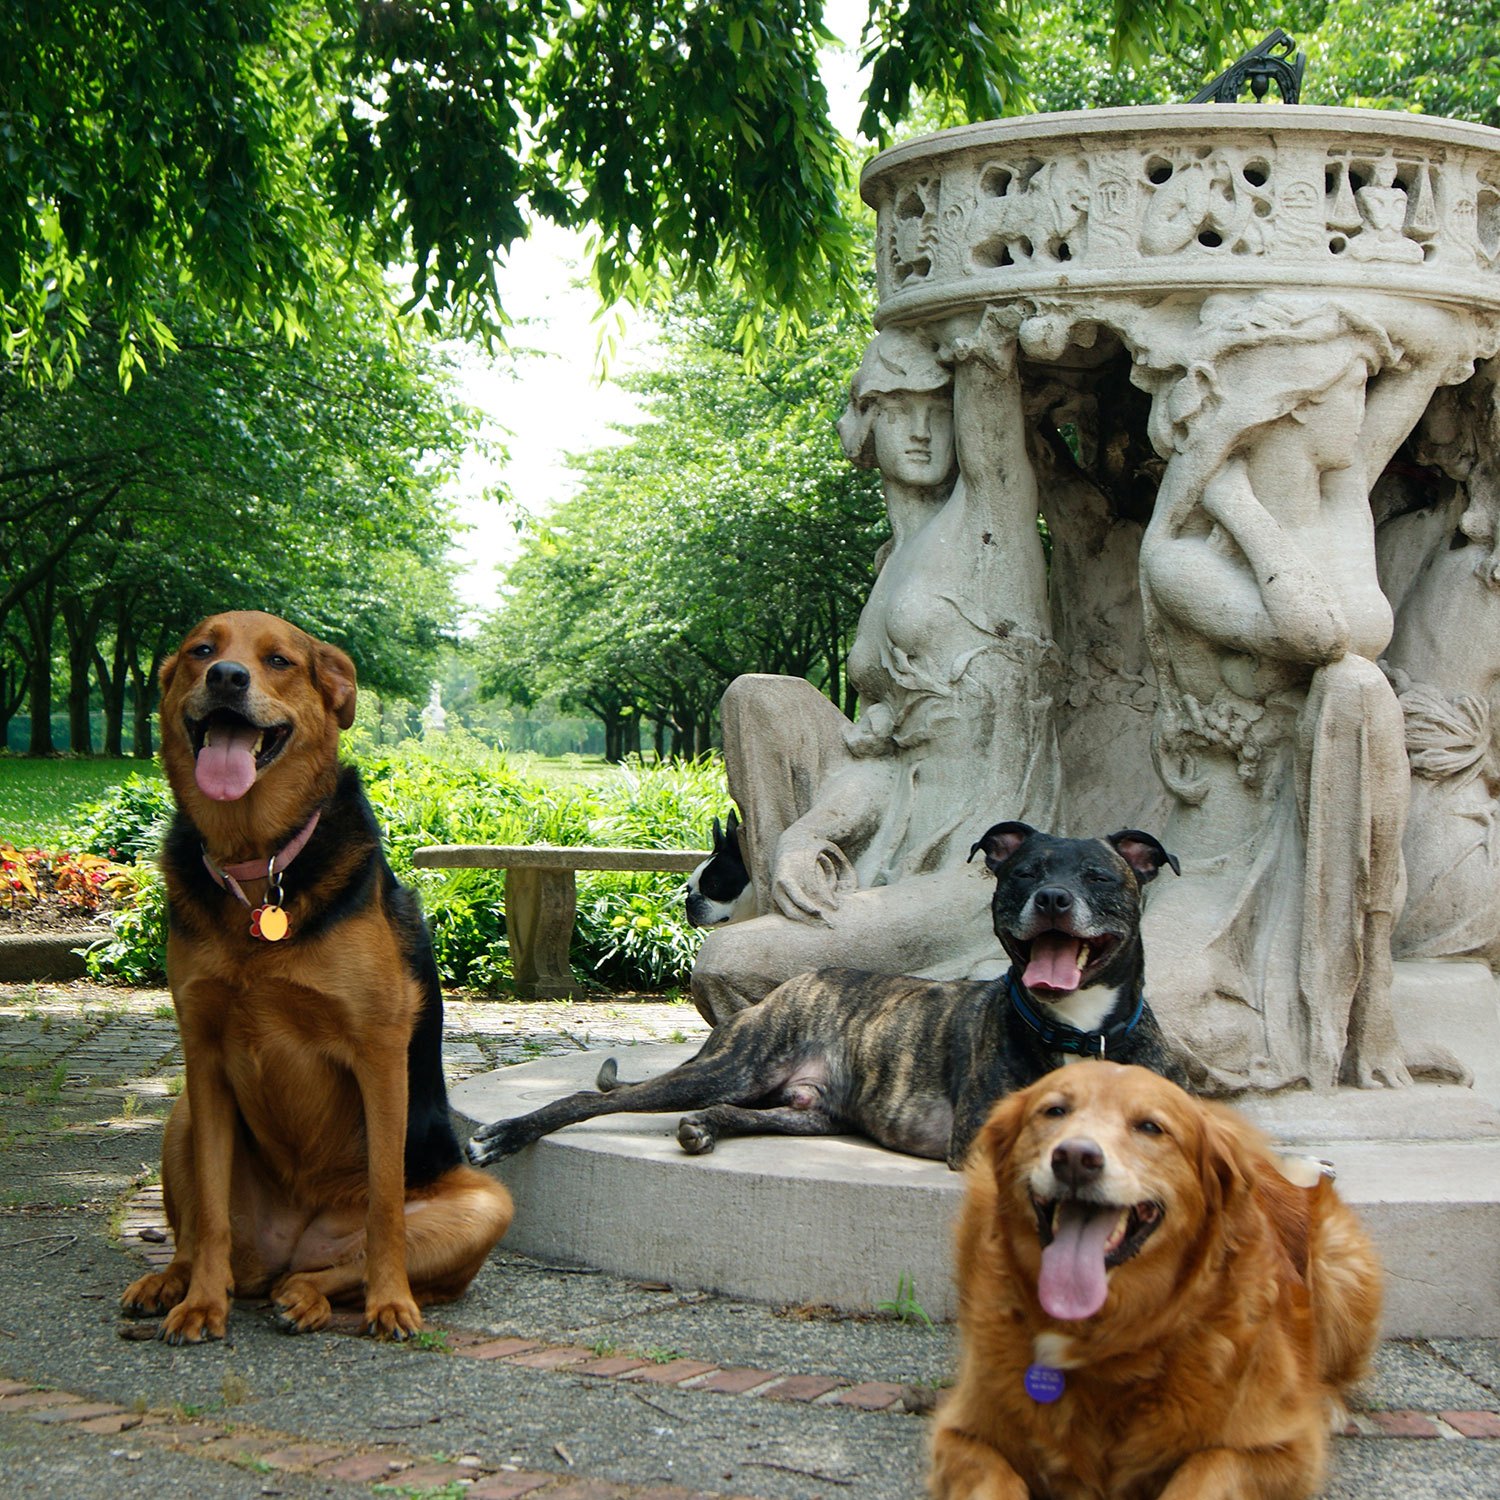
x,y
1149,1127
1055,1111
1097,877
203,648
279,662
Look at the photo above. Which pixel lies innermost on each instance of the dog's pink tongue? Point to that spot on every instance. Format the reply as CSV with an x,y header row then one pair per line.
x,y
1073,1283
225,769
1054,962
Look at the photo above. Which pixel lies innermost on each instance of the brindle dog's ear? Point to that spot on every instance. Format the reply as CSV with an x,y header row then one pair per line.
x,y
1143,854
1000,842
333,674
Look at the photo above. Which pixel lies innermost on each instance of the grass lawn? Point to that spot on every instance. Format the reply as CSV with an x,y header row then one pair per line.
x,y
37,797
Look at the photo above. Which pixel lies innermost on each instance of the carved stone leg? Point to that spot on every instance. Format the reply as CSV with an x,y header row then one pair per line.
x,y
539,909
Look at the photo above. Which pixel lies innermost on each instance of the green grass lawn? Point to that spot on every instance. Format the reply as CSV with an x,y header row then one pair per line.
x,y
38,797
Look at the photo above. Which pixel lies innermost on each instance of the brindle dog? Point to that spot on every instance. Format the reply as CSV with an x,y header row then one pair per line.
x,y
915,1064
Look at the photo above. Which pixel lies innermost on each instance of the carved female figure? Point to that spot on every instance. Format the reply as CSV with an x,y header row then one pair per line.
x,y
1444,661
1277,736
857,835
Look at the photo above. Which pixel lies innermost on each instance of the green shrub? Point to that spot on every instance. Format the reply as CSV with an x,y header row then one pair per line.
x,y
136,951
128,823
631,930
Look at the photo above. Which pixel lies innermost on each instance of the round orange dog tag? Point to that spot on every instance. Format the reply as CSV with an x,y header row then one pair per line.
x,y
269,923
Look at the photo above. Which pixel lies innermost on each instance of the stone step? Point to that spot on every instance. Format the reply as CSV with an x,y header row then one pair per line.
x,y
842,1221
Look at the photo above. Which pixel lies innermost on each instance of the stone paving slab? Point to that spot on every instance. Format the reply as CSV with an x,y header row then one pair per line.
x,y
335,1411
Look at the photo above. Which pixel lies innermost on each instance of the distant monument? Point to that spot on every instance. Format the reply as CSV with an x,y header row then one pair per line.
x,y
434,716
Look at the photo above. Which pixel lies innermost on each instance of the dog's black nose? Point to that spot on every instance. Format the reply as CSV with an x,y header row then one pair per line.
x,y
1077,1163
228,676
1053,901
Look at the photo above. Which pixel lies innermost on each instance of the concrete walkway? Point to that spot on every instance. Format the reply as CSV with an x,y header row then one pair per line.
x,y
542,1381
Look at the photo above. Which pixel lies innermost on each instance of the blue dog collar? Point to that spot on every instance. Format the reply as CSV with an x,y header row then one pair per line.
x,y
1058,1036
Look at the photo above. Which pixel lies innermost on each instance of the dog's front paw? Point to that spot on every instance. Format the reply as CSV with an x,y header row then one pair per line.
x,y
391,1318
491,1142
695,1135
298,1306
195,1322
157,1293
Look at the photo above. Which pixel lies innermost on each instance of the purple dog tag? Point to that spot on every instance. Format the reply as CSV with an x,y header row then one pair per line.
x,y
1043,1383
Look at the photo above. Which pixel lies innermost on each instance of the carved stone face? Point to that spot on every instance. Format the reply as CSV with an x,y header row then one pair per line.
x,y
914,437
1332,421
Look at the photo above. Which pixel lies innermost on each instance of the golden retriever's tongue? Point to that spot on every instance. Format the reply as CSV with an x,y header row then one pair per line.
x,y
1054,962
225,768
1072,1284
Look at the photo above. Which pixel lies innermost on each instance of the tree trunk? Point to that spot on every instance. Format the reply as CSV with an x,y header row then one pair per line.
x,y
80,626
112,695
659,739
39,611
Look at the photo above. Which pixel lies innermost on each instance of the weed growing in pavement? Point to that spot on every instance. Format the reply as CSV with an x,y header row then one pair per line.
x,y
431,1339
164,1013
659,1356
603,1349
905,1306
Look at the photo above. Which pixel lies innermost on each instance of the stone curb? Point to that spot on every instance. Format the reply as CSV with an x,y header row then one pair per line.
x,y
26,958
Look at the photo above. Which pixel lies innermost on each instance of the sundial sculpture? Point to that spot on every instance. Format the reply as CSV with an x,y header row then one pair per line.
x,y
1243,359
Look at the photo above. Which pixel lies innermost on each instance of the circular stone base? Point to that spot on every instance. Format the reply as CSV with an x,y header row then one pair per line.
x,y
841,1221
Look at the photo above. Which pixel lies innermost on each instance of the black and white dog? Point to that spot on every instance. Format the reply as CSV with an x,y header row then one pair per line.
x,y
718,891
916,1064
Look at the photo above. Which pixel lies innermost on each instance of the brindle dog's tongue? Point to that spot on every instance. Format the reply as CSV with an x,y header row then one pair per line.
x,y
1073,1283
1054,963
225,768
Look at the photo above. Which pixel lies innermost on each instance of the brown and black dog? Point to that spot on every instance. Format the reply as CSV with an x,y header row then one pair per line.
x,y
1147,1305
311,1156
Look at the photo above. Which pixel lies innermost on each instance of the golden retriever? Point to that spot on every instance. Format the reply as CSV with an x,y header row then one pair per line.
x,y
1148,1306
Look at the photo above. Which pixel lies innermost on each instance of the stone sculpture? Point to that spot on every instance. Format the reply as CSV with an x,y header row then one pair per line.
x,y
1444,661
1220,326
857,836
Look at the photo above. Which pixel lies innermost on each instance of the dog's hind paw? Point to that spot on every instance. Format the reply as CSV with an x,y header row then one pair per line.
x,y
695,1137
298,1306
491,1142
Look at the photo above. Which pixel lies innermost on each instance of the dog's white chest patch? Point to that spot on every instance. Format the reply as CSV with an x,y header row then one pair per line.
x,y
1086,1009
1054,1350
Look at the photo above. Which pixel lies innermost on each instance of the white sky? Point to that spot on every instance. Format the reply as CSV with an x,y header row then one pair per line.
x,y
545,404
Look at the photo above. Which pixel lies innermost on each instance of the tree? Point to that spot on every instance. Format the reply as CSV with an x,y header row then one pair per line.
x,y
265,149
729,534
232,474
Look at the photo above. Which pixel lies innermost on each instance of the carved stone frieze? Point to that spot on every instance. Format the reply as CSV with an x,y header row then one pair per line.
x,y
1187,196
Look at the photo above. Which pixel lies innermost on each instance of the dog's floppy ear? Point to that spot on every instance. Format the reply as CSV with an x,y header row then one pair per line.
x,y
165,670
1223,1166
998,1136
1143,853
333,675
1000,842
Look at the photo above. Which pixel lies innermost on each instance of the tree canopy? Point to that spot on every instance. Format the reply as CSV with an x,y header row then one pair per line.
x,y
260,151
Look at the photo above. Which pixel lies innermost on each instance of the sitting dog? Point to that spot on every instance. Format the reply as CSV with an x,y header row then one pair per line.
x,y
718,891
1147,1305
311,1156
915,1064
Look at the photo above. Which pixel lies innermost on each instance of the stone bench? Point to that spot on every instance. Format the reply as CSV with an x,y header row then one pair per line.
x,y
541,899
